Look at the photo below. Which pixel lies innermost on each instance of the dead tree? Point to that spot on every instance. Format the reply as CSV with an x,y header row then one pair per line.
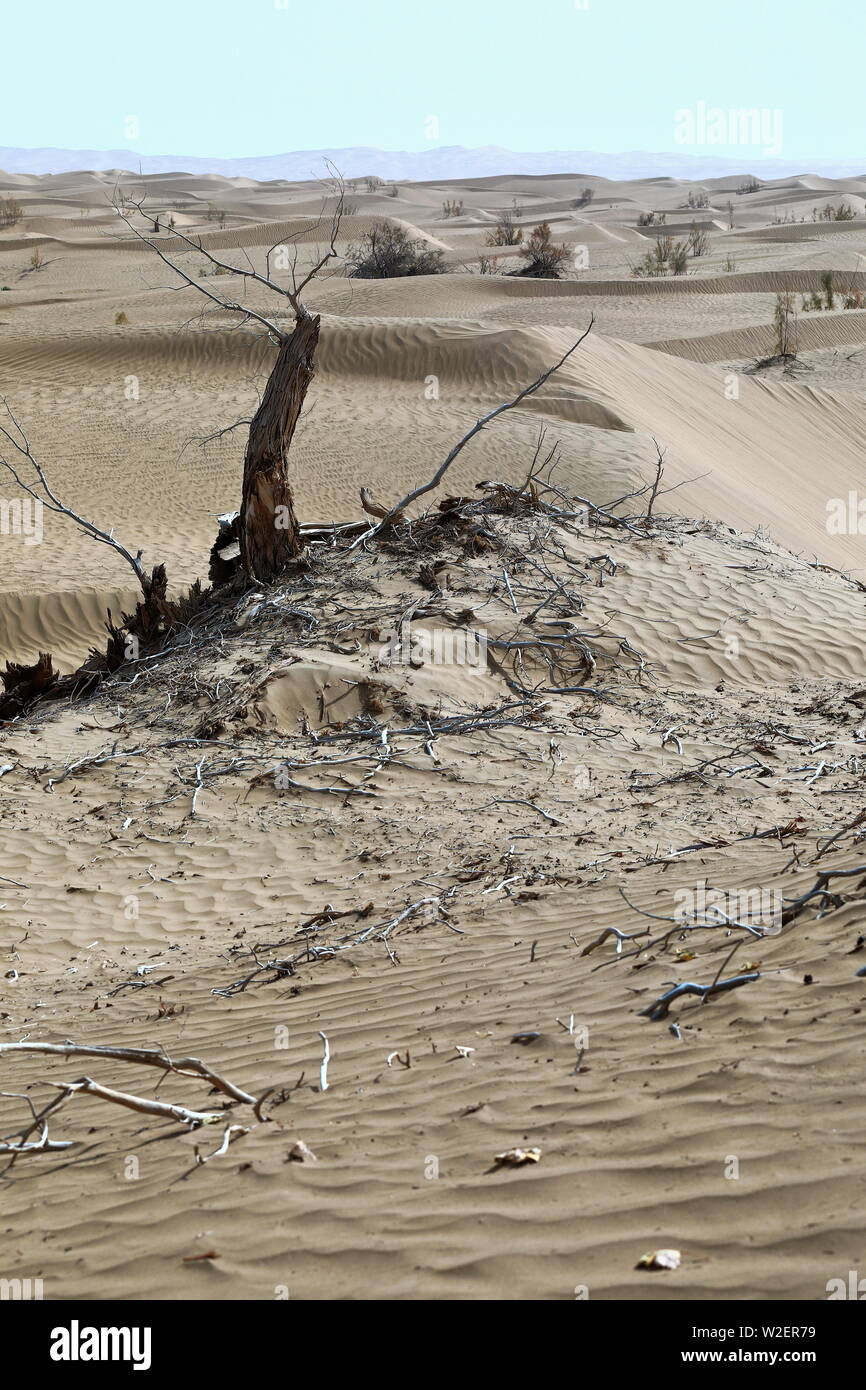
x,y
267,530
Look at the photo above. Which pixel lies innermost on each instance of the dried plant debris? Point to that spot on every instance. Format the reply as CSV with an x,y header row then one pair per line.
x,y
301,1153
517,1158
660,1259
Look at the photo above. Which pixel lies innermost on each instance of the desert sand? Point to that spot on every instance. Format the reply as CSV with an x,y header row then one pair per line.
x,y
151,862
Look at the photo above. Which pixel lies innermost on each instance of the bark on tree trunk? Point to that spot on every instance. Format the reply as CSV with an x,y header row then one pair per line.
x,y
269,531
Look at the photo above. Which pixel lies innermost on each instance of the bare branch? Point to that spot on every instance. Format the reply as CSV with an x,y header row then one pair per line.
x,y
479,425
140,1056
229,305
49,498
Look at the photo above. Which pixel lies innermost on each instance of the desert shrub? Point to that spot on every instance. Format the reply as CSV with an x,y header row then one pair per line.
x,y
785,325
655,262
840,213
215,214
506,232
750,185
11,212
489,265
699,241
544,259
586,196
827,285
730,264
652,219
699,200
451,208
668,257
815,302
392,192
387,252
120,319
37,260
679,257
373,184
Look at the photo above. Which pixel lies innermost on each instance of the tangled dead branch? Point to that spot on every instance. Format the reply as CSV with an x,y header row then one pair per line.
x,y
399,508
19,1142
279,967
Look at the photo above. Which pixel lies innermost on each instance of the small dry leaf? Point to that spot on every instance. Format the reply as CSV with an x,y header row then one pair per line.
x,y
660,1259
208,1255
515,1158
300,1153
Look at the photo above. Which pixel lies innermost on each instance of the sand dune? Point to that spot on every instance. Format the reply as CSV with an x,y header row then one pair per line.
x,y
68,623
824,330
613,387
144,829
364,1221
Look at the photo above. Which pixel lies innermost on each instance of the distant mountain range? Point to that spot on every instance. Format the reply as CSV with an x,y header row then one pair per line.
x,y
446,162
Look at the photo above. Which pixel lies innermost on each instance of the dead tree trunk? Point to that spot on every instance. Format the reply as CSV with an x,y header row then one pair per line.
x,y
269,532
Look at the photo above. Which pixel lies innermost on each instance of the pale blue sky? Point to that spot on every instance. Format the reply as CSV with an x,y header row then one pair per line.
x,y
230,78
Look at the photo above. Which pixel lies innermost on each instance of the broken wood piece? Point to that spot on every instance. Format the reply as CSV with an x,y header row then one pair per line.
x,y
659,1009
